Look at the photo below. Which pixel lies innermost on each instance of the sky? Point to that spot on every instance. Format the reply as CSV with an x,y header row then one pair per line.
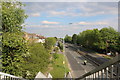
x,y
56,19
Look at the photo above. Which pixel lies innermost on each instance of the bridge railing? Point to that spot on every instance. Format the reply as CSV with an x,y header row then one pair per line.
x,y
4,76
108,70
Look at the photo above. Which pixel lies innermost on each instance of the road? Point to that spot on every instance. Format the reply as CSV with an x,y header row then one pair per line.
x,y
76,62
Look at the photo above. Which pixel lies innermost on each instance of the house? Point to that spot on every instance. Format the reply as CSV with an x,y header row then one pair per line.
x,y
34,37
41,40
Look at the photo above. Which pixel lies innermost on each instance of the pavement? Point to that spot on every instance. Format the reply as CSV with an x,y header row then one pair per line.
x,y
76,62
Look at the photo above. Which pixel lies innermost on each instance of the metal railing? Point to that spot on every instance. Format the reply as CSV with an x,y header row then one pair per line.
x,y
4,76
107,71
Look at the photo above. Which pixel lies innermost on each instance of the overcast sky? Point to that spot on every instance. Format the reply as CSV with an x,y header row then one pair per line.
x,y
61,18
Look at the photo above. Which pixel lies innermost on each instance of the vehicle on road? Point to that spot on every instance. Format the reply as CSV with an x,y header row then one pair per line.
x,y
85,62
66,47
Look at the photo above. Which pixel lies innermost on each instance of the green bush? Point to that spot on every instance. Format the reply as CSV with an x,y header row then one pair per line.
x,y
55,56
60,45
56,49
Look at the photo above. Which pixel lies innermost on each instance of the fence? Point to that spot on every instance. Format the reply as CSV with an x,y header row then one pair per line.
x,y
107,71
4,76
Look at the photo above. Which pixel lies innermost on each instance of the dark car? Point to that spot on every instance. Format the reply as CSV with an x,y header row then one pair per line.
x,y
66,46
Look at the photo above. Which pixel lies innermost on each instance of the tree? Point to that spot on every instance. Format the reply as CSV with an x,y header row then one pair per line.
x,y
13,16
37,60
68,39
14,48
114,45
50,42
108,37
74,38
14,45
60,45
85,38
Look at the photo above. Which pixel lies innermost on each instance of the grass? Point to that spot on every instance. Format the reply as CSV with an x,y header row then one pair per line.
x,y
107,57
0,63
59,68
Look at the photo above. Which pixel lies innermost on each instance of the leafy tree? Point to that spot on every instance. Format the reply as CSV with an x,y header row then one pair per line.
x,y
68,39
14,48
50,42
37,60
60,45
14,45
74,38
85,38
94,38
114,45
13,16
108,37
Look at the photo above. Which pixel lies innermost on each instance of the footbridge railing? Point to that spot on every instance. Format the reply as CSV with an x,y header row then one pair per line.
x,y
4,76
107,71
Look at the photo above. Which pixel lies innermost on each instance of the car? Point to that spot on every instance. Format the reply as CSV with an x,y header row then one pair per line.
x,y
66,46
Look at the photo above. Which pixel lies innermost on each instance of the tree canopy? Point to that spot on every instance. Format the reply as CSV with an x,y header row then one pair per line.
x,y
50,42
13,16
74,38
14,45
36,60
68,39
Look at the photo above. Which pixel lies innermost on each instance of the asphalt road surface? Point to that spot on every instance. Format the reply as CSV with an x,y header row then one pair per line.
x,y
76,62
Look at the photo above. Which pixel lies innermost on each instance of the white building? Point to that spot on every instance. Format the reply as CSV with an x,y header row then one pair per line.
x,y
41,40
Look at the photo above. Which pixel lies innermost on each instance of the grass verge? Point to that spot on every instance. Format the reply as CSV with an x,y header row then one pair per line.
x,y
0,64
107,57
59,69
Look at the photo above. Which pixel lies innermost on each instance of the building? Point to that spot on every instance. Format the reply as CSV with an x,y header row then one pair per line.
x,y
41,40
34,37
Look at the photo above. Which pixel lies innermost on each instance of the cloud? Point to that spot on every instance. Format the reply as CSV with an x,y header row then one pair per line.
x,y
48,22
46,26
37,26
35,14
77,8
57,13
70,0
93,23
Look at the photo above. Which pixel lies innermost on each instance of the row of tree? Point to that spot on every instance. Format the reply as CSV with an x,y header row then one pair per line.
x,y
104,40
